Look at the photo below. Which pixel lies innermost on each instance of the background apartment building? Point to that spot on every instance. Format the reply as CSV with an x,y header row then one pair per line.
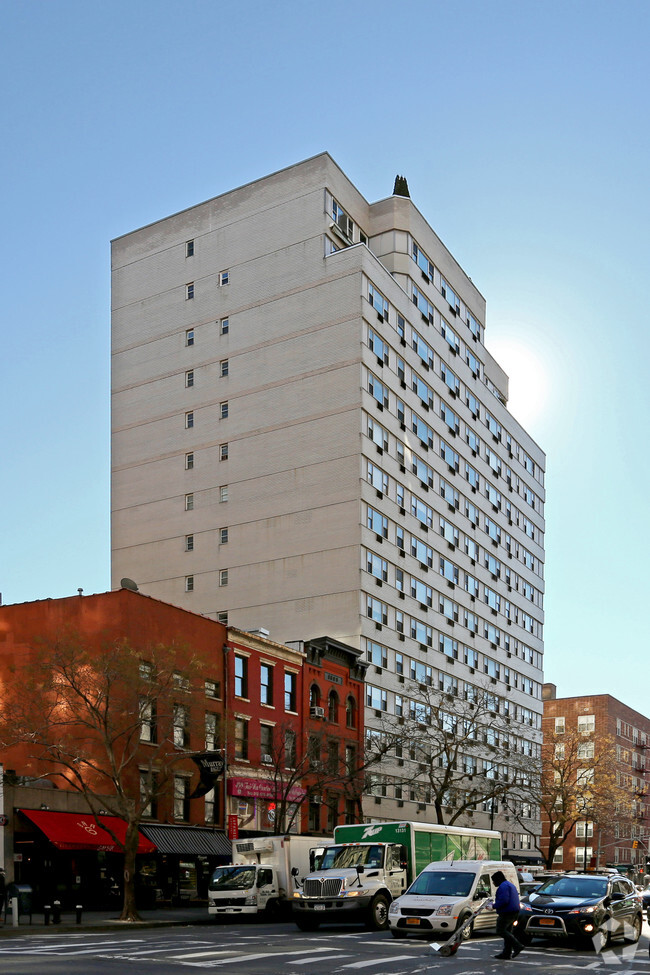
x,y
309,435
621,835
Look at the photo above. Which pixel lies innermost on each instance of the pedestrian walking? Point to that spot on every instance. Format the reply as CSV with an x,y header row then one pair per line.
x,y
506,904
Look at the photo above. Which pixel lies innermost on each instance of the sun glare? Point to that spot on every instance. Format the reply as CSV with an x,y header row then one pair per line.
x,y
529,378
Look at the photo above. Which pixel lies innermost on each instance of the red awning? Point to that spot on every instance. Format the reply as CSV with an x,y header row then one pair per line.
x,y
76,831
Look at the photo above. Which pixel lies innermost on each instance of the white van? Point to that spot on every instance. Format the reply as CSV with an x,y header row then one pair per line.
x,y
444,895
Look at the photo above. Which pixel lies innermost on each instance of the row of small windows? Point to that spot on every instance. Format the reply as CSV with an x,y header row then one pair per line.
x,y
395,660
189,498
426,675
224,279
190,333
395,490
224,411
385,354
430,439
428,478
434,277
423,633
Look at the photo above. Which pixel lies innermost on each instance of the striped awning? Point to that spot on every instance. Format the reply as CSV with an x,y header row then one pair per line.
x,y
187,840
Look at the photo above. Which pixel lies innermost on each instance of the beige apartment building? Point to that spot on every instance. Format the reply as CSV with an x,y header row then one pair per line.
x,y
310,436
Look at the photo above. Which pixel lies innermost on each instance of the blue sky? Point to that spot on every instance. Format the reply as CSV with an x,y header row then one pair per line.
x,y
522,128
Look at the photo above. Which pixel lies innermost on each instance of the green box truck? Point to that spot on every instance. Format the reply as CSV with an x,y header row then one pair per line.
x,y
369,864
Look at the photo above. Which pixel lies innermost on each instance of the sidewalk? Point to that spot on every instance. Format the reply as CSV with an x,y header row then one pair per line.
x,y
107,921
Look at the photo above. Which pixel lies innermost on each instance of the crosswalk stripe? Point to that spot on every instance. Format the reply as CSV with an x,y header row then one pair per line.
x,y
379,961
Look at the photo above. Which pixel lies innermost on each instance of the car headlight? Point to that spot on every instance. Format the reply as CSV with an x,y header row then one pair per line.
x,y
394,908
352,893
445,909
582,910
525,907
250,900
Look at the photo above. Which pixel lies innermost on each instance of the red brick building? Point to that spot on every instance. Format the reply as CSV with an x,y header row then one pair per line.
x,y
288,719
625,841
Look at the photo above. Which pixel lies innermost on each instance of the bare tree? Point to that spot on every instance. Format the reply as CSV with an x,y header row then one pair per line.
x,y
579,783
455,753
84,714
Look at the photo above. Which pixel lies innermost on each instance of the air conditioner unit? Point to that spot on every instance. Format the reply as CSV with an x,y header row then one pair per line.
x,y
316,712
266,760
317,800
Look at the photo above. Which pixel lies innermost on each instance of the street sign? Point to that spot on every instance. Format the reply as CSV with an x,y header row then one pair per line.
x,y
233,827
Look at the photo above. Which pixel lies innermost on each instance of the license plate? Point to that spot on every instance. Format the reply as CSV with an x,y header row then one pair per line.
x,y
547,920
413,920
319,907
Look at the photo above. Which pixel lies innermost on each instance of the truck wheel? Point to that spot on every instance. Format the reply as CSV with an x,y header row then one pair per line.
x,y
307,923
377,916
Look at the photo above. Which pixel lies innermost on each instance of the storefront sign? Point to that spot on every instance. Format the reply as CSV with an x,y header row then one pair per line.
x,y
264,789
233,828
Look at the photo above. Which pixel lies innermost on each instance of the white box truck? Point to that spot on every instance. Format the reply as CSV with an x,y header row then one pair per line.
x,y
370,864
264,872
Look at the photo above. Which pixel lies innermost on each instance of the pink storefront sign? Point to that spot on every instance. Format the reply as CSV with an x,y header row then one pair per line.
x,y
264,789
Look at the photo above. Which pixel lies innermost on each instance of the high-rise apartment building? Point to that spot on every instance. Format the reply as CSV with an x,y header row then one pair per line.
x,y
309,435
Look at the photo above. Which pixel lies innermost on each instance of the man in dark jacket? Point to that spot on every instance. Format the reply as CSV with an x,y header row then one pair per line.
x,y
506,904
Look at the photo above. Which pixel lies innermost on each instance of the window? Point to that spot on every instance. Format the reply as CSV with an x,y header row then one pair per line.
x,y
376,698
223,410
181,798
223,536
189,378
223,368
180,734
241,676
223,451
189,420
223,577
210,807
586,749
266,684
147,720
222,618
333,707
189,248
189,461
189,583
189,502
290,749
241,738
266,744
212,689
223,493
210,731
224,278
189,291
148,793
224,326
189,543
586,723
189,336
290,687
350,713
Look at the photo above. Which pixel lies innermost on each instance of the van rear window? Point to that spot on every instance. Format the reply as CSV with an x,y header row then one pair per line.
x,y
451,883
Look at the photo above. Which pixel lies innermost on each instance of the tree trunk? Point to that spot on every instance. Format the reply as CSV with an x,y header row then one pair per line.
x,y
129,910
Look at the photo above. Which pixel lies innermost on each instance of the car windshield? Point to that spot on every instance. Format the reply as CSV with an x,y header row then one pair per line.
x,y
582,887
233,878
449,883
349,856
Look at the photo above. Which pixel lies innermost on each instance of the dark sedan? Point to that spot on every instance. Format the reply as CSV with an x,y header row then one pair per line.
x,y
582,907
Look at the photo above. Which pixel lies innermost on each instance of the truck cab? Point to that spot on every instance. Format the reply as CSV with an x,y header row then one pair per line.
x,y
355,881
242,888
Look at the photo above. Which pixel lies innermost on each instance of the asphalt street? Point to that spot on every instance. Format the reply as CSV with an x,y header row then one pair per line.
x,y
264,949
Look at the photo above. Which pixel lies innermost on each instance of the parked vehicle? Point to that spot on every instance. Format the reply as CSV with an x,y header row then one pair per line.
x,y
444,897
263,875
580,907
371,864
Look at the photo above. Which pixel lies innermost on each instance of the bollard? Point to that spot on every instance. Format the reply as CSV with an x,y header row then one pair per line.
x,y
14,911
56,912
46,913
79,909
